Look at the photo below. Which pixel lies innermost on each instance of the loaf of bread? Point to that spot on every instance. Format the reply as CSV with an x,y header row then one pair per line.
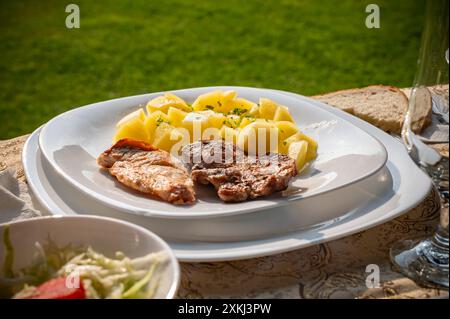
x,y
380,105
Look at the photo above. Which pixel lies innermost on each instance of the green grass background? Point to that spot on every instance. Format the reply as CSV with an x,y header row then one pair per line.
x,y
138,46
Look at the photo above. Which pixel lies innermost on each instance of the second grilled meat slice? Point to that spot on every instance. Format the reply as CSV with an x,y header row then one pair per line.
x,y
235,176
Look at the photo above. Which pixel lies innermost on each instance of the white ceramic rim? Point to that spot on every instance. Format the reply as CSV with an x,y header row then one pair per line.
x,y
116,204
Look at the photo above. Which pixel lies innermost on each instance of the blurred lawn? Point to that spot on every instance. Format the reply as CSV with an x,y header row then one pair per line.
x,y
132,47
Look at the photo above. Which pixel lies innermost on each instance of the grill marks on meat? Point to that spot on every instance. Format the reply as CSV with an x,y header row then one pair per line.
x,y
235,176
241,177
149,170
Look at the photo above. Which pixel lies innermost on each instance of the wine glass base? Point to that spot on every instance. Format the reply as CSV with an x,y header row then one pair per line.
x,y
422,260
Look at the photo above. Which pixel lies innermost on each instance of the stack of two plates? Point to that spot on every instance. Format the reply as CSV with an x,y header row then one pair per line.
x,y
362,177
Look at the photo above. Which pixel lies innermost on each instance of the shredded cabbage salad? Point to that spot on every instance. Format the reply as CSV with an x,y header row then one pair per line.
x,y
100,277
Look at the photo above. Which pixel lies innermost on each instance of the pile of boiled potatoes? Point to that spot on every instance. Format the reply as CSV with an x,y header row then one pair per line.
x,y
171,123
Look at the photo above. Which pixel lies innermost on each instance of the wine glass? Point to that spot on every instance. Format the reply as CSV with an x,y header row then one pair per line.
x,y
425,260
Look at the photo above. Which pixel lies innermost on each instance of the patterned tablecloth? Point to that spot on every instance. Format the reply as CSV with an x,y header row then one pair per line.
x,y
335,269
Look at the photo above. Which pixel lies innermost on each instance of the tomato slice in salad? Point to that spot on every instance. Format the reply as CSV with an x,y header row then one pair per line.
x,y
57,289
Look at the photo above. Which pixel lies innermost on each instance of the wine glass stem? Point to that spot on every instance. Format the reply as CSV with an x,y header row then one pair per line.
x,y
441,236
440,182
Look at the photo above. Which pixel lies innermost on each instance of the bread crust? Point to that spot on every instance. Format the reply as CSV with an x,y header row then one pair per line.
x,y
389,119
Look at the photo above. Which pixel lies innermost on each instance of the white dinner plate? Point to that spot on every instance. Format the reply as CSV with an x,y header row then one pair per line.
x,y
310,212
409,186
72,141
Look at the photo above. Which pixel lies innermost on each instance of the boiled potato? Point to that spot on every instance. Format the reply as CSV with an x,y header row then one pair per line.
x,y
285,129
163,102
312,147
176,116
216,119
297,151
283,146
217,101
242,106
167,136
246,121
196,123
267,108
135,114
282,114
134,129
254,111
232,120
153,121
250,137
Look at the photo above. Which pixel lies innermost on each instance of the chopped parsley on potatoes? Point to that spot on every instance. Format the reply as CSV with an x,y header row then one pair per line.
x,y
170,123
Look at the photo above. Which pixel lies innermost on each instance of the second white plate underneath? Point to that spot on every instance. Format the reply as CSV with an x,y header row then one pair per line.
x,y
409,186
310,212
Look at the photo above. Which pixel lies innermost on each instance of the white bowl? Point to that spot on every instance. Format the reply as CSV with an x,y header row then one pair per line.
x,y
105,235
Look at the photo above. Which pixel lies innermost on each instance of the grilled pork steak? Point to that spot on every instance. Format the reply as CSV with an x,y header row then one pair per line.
x,y
235,176
147,169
